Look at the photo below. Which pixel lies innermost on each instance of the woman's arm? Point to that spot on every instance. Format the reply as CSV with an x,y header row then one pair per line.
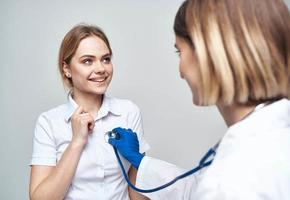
x,y
132,193
53,182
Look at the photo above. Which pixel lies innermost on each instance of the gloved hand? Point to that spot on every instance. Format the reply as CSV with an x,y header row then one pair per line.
x,y
127,145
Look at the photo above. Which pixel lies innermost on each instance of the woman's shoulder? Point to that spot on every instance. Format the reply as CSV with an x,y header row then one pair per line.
x,y
54,113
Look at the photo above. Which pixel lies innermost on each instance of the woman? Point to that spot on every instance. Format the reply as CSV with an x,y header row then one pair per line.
x,y
71,159
236,55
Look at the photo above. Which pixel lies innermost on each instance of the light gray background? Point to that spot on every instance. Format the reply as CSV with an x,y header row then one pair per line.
x,y
146,71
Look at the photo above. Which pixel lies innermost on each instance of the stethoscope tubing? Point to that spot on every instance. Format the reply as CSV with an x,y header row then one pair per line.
x,y
203,163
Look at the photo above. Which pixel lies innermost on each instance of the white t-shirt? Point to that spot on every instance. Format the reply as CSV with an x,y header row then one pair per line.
x,y
252,163
98,175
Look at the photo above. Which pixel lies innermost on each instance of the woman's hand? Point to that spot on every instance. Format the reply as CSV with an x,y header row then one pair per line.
x,y
82,125
53,182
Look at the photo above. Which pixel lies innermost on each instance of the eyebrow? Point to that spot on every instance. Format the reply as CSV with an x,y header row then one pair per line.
x,y
92,56
106,55
175,46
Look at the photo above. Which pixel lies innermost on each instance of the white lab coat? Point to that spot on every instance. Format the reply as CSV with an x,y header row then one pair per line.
x,y
252,163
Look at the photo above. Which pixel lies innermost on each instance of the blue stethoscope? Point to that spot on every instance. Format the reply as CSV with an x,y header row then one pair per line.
x,y
204,162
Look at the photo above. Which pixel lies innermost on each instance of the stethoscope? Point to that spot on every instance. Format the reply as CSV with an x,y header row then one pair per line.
x,y
204,162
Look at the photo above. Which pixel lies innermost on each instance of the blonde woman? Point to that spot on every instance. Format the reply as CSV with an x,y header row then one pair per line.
x,y
71,159
234,54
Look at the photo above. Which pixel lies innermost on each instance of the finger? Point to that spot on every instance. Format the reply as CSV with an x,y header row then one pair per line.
x,y
84,113
118,130
89,120
132,132
79,110
87,116
91,126
112,142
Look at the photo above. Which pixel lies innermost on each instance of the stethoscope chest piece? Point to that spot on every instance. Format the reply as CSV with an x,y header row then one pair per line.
x,y
111,134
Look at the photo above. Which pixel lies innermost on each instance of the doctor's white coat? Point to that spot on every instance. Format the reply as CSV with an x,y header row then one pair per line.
x,y
252,163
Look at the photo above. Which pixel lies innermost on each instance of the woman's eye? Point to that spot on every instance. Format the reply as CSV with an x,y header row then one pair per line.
x,y
88,61
106,60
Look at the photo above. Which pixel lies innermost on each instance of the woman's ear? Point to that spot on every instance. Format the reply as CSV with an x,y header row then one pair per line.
x,y
66,70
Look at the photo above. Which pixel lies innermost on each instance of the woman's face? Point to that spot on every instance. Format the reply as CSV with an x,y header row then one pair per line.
x,y
188,66
91,68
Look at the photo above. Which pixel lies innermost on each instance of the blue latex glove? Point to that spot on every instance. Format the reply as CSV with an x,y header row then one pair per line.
x,y
127,145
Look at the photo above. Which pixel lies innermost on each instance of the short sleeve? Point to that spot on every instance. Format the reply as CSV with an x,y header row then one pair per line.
x,y
137,127
44,148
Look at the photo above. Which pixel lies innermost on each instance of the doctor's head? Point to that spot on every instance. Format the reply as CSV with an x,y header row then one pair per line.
x,y
85,60
234,51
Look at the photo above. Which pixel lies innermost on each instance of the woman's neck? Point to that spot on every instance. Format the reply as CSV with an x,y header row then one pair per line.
x,y
90,102
235,112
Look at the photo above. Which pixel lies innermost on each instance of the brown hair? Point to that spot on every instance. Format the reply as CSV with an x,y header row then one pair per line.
x,y
242,48
71,42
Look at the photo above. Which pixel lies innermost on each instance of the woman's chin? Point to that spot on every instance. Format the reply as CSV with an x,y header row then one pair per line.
x,y
97,91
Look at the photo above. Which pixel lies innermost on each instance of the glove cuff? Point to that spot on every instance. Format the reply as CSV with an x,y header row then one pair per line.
x,y
137,160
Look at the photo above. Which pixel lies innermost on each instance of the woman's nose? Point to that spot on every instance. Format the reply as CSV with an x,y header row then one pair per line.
x,y
99,67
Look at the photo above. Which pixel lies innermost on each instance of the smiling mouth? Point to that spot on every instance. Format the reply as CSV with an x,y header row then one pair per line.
x,y
99,80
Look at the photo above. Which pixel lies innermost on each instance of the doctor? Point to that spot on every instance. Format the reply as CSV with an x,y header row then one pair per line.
x,y
236,55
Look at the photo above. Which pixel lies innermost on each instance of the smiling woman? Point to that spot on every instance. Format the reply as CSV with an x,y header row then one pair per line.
x,y
92,55
71,159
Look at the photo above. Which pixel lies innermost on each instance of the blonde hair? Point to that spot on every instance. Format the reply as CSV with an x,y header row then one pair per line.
x,y
71,42
242,48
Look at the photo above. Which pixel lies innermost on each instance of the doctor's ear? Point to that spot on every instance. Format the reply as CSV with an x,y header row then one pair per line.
x,y
66,69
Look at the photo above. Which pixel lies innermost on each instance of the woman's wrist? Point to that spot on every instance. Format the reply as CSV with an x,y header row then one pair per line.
x,y
78,143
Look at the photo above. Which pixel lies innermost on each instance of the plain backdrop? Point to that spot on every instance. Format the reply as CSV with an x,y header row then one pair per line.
x,y
145,71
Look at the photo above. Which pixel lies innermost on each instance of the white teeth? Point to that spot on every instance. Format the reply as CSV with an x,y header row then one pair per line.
x,y
98,80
